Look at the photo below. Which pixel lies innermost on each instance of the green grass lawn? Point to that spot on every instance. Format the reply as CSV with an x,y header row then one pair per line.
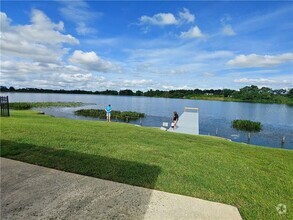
x,y
254,179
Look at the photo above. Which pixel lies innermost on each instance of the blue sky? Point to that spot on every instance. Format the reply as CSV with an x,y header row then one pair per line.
x,y
142,45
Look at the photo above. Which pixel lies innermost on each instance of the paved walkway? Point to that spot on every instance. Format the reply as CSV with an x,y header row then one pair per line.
x,y
34,192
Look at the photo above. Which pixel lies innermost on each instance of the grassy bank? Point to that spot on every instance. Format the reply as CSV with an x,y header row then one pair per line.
x,y
276,100
254,179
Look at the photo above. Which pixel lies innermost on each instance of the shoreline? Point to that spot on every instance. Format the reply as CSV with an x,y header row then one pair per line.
x,y
205,98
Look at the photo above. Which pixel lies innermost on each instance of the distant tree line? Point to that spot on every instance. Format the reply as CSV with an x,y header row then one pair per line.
x,y
248,93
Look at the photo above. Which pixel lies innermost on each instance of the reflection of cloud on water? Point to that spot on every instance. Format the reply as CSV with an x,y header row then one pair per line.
x,y
235,136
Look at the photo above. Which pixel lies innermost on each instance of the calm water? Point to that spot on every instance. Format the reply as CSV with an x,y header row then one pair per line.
x,y
277,119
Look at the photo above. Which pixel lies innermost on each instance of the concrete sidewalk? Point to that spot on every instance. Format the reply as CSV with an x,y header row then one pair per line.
x,y
34,192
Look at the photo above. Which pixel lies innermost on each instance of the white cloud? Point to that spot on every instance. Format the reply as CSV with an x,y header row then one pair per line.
x,y
193,32
42,22
254,60
186,16
39,41
227,27
228,30
171,87
136,83
90,61
5,22
53,76
79,12
83,29
76,77
254,81
265,82
160,19
208,74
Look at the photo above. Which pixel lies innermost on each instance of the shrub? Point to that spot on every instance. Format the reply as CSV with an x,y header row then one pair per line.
x,y
29,105
100,113
247,125
20,105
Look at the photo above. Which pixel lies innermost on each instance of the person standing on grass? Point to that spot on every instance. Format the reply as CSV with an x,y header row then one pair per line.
x,y
108,110
175,120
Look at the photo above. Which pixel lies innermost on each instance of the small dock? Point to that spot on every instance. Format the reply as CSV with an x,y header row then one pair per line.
x,y
188,122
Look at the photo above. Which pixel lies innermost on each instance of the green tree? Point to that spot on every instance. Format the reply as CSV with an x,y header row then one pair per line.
x,y
290,93
228,92
126,92
248,93
138,93
266,93
4,89
11,89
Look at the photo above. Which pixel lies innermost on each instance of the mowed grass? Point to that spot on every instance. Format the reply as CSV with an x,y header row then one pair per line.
x,y
254,179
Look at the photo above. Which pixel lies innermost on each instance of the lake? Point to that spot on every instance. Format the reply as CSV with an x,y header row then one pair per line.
x,y
214,116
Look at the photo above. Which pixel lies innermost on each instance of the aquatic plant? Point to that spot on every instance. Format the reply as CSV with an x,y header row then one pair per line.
x,y
246,125
30,105
100,113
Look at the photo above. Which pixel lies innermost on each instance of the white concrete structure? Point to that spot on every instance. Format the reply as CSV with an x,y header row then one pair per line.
x,y
188,122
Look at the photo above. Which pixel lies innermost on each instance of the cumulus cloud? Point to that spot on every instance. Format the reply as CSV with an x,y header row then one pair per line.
x,y
42,22
186,16
90,61
5,22
162,19
254,60
39,41
54,76
193,32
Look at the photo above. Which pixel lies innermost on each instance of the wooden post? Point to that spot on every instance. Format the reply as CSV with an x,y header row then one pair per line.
x,y
248,137
283,141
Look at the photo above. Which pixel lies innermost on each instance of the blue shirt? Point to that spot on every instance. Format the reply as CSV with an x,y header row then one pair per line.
x,y
108,109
